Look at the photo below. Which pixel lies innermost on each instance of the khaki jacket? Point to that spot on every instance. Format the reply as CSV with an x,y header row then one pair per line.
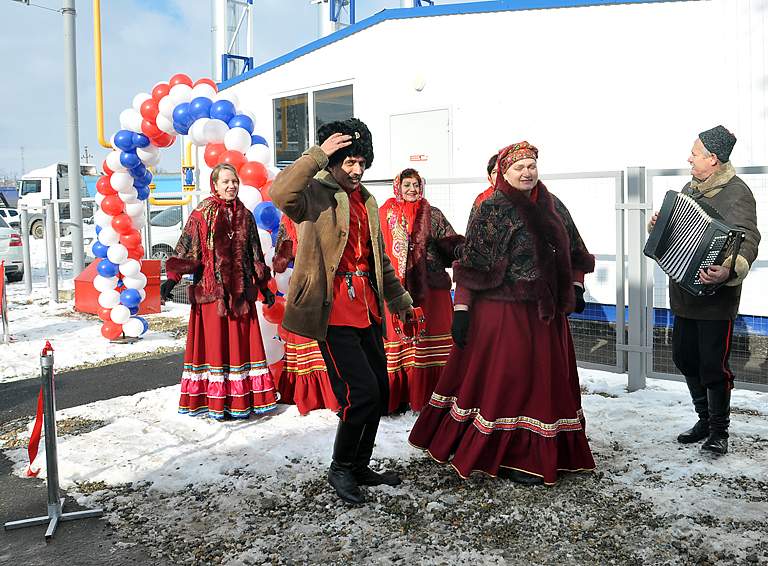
x,y
310,196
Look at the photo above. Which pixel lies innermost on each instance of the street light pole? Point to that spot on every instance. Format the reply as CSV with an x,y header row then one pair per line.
x,y
73,136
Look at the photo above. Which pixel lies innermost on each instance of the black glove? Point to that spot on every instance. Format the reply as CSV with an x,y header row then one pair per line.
x,y
580,304
166,290
269,297
460,328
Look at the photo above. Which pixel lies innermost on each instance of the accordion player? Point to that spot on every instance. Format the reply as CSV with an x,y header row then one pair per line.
x,y
690,236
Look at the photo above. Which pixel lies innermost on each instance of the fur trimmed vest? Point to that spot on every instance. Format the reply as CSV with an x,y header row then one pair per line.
x,y
521,250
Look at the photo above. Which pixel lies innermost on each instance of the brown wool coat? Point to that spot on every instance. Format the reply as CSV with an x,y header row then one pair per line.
x,y
309,195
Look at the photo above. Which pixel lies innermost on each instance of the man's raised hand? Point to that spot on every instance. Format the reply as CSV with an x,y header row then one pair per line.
x,y
335,142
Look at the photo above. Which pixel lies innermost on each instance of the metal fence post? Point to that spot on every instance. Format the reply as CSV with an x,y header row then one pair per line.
x,y
25,251
637,212
50,248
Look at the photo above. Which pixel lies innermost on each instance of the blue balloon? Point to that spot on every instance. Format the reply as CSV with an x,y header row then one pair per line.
x,y
98,230
257,139
140,140
129,159
124,140
107,269
99,249
273,235
267,216
138,171
242,121
133,310
142,193
130,298
182,116
147,179
144,322
223,110
200,107
183,129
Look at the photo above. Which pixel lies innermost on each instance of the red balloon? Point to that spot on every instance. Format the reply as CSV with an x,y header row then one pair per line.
x,y
160,91
265,191
150,129
180,79
104,313
272,284
208,82
212,153
253,173
131,239
110,330
234,158
163,139
149,109
112,205
122,224
103,186
136,253
107,170
275,313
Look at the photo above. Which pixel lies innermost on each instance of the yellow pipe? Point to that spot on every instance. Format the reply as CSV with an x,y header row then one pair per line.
x,y
188,156
166,202
97,63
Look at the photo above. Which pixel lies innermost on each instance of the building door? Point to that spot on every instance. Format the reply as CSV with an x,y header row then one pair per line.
x,y
421,140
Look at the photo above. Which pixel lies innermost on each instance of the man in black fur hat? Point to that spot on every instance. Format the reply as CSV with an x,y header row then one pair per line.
x,y
703,331
336,295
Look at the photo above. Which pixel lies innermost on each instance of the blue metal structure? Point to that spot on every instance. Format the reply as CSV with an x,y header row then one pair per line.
x,y
226,58
337,5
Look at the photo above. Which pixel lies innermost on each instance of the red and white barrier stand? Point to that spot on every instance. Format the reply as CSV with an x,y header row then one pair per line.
x,y
46,410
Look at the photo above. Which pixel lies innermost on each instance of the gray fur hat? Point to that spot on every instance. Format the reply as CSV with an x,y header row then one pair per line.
x,y
719,141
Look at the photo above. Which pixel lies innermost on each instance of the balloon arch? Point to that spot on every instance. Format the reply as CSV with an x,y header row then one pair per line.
x,y
209,119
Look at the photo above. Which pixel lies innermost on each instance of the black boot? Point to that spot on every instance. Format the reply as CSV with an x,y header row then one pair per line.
x,y
341,473
518,476
719,399
700,430
363,474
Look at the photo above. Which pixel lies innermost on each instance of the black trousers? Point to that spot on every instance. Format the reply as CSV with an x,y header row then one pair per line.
x,y
357,367
701,349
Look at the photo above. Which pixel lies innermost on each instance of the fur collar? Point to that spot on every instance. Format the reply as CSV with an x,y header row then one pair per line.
x,y
416,270
715,182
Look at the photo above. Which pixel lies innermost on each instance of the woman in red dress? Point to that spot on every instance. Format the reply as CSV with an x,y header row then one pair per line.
x,y
420,243
225,369
508,402
304,379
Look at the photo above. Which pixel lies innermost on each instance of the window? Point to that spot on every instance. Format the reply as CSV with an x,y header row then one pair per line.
x,y
29,186
3,223
168,217
291,128
331,105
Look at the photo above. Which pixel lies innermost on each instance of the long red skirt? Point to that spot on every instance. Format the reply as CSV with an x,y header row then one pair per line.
x,y
415,369
510,399
304,380
225,369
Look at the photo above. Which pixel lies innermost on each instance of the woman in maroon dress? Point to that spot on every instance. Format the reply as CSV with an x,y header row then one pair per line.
x,y
508,402
420,243
225,369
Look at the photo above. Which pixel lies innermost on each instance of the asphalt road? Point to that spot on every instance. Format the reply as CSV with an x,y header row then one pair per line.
x,y
87,542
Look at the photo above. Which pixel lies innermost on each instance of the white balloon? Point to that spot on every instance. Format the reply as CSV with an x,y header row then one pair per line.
x,y
102,283
130,119
165,124
180,93
197,131
139,221
249,196
149,155
112,143
281,279
228,95
259,152
120,314
143,294
129,196
102,219
130,268
121,181
166,106
138,281
139,99
109,299
117,253
203,89
272,172
237,139
274,350
133,327
266,239
113,161
108,236
269,255
134,208
214,131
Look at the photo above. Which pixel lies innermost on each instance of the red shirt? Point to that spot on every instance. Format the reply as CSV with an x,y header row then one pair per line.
x,y
363,310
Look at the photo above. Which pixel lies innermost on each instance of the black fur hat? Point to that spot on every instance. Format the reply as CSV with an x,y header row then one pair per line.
x,y
362,141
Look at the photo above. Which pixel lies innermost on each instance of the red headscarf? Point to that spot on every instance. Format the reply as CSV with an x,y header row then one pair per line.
x,y
510,154
397,218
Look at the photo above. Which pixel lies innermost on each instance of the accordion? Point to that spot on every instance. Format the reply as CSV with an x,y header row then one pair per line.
x,y
690,236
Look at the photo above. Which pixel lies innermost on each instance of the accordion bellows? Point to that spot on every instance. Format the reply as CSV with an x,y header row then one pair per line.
x,y
690,236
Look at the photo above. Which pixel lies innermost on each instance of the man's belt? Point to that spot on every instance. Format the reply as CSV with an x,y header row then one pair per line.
x,y
348,275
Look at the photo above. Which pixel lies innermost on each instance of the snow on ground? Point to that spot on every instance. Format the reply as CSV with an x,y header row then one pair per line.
x,y
76,337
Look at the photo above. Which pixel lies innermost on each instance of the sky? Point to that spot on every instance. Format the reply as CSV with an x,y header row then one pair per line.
x,y
143,42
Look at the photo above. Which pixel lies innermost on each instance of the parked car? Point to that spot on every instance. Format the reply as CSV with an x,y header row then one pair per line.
x,y
89,236
11,216
10,252
166,229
